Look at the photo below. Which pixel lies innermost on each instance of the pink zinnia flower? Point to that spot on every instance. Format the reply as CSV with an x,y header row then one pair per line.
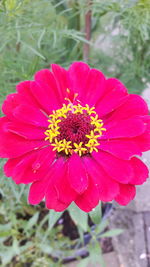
x,y
75,135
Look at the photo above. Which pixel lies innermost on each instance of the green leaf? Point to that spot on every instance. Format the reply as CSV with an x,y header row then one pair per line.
x,y
79,217
5,230
45,248
100,227
32,221
112,233
53,218
96,214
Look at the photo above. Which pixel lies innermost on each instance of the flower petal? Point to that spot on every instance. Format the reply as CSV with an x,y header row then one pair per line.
x,y
12,145
9,104
30,167
119,170
25,95
94,87
25,130
77,75
77,175
113,98
61,78
30,115
141,172
143,141
45,91
127,193
125,128
108,188
121,148
133,106
89,199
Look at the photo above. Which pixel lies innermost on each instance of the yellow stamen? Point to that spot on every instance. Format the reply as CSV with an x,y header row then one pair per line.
x,y
65,145
57,145
95,120
79,149
93,136
78,109
89,110
92,146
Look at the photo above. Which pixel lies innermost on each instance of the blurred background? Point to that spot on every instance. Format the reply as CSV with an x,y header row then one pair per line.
x,y
111,35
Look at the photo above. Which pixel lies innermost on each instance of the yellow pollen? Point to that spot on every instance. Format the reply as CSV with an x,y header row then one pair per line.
x,y
95,120
89,110
92,136
92,146
78,109
57,145
53,133
65,145
79,149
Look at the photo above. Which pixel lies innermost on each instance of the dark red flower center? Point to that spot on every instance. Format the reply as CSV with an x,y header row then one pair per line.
x,y
74,128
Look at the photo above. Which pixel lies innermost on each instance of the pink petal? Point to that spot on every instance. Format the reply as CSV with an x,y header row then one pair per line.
x,y
121,148
89,199
25,95
30,115
37,192
59,187
61,78
127,193
77,76
143,141
9,104
52,201
38,189
77,175
120,170
108,188
113,83
30,167
125,128
94,87
112,100
12,145
46,92
141,172
133,106
26,131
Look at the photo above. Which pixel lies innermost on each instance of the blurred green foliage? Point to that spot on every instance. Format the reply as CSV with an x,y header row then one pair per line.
x,y
34,34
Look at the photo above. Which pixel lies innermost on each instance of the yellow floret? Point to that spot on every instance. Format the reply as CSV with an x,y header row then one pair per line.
x,y
92,146
79,149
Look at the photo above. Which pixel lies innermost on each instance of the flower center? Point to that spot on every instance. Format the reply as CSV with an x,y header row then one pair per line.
x,y
74,128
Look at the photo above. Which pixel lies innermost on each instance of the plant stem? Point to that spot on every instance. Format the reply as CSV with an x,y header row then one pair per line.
x,y
88,22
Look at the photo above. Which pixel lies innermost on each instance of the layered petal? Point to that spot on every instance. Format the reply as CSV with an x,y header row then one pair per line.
x,y
30,115
120,170
115,96
140,171
126,194
133,106
46,92
9,104
126,128
89,199
12,145
26,130
121,148
107,187
30,167
77,179
25,94
77,76
61,78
